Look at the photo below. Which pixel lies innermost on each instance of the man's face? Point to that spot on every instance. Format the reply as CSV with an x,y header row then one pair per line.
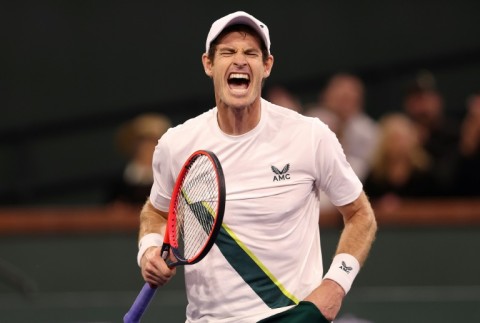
x,y
424,107
238,69
344,96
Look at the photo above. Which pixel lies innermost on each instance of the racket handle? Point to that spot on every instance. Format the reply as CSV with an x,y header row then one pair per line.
x,y
140,305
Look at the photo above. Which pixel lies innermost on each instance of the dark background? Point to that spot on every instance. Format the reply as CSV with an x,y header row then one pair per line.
x,y
72,71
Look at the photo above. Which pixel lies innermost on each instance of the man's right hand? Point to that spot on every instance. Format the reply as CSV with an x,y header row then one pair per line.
x,y
154,269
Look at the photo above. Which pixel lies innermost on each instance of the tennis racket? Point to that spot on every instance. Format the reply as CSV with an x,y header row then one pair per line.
x,y
194,219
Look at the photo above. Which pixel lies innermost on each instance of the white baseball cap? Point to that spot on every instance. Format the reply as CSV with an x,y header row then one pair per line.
x,y
242,18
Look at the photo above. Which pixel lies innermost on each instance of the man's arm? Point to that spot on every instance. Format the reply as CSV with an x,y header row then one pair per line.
x,y
152,228
359,230
356,240
152,220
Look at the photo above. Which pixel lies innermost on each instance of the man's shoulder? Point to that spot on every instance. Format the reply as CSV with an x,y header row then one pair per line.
x,y
191,124
277,111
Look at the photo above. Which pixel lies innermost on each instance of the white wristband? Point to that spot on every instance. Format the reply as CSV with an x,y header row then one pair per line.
x,y
147,241
343,270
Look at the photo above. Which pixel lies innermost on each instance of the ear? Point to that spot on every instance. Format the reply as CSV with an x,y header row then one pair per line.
x,y
268,66
207,65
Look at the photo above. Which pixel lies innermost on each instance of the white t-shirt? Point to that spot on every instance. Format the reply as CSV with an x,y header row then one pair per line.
x,y
267,256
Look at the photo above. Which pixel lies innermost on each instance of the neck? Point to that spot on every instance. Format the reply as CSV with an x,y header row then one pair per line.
x,y
238,120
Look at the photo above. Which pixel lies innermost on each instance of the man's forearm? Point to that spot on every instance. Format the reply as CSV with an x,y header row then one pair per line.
x,y
151,220
360,229
152,229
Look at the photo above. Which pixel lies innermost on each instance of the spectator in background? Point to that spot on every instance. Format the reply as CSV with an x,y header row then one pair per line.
x,y
400,166
136,140
341,107
424,104
469,147
280,95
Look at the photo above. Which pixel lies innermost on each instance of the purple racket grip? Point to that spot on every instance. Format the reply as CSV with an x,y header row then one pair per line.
x,y
140,305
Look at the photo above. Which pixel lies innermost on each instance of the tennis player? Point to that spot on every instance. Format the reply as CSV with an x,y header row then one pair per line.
x,y
266,264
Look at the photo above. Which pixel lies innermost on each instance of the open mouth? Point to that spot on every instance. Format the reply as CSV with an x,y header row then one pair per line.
x,y
238,81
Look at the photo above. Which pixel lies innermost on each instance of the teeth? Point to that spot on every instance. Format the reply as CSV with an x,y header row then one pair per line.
x,y
239,76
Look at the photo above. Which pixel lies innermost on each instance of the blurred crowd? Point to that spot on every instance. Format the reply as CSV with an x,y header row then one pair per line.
x,y
136,140
416,151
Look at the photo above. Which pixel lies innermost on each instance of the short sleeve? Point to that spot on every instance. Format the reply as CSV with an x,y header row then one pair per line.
x,y
163,178
335,176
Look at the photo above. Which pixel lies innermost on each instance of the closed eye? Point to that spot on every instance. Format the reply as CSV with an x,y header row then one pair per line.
x,y
252,53
226,52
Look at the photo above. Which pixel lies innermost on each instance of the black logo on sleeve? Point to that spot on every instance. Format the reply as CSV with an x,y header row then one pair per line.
x,y
345,268
281,175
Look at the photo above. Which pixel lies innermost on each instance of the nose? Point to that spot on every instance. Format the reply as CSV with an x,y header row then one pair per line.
x,y
240,59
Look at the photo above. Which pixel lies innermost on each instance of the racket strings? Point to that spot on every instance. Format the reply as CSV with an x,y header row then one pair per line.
x,y
196,207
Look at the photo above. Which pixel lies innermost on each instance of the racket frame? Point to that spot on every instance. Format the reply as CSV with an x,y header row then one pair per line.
x,y
170,231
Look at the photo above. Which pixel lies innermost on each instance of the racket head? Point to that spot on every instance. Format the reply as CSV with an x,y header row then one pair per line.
x,y
196,209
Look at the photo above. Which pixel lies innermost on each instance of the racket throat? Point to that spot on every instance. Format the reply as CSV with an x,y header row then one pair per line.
x,y
165,251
